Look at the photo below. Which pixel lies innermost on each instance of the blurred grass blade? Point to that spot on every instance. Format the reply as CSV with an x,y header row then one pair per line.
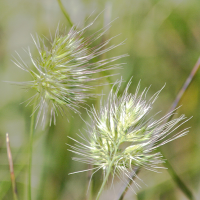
x,y
178,181
12,175
129,184
31,151
185,86
65,12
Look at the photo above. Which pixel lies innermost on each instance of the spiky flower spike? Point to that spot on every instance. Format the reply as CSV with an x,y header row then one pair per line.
x,y
64,68
122,136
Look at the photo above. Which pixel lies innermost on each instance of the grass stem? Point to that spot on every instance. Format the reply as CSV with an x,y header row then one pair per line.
x,y
104,181
31,152
185,86
182,186
107,174
65,12
136,171
12,175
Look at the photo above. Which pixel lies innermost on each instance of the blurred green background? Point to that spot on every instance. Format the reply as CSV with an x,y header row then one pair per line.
x,y
163,43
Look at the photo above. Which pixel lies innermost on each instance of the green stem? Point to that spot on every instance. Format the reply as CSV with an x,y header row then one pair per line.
x,y
12,175
31,152
65,12
104,181
15,196
90,183
178,181
107,174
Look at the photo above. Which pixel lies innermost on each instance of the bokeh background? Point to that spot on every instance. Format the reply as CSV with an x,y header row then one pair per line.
x,y
162,38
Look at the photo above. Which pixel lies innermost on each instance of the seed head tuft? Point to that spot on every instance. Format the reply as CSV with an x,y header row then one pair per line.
x,y
122,136
63,69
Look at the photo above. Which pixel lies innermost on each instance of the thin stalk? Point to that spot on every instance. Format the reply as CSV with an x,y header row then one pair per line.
x,y
104,181
179,96
136,171
90,183
31,152
178,180
12,175
107,175
65,12
20,168
185,86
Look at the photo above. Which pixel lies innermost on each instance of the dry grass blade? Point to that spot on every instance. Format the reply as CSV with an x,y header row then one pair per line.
x,y
12,175
185,86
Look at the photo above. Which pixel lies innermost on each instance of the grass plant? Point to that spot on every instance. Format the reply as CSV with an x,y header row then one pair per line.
x,y
123,135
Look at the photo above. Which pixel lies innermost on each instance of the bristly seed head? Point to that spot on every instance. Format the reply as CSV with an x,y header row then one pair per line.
x,y
123,137
63,69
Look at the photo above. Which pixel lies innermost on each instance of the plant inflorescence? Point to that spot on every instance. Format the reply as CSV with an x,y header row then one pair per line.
x,y
63,69
123,136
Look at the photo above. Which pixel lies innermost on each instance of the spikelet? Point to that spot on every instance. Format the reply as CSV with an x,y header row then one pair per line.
x,y
123,137
63,69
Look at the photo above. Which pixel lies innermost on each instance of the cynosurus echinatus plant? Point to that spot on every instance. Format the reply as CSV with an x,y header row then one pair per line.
x,y
62,74
123,137
63,69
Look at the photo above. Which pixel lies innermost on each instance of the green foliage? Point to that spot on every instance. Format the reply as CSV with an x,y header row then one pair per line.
x,y
163,43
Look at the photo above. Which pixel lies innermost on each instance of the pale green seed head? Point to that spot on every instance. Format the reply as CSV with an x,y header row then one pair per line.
x,y
63,70
123,135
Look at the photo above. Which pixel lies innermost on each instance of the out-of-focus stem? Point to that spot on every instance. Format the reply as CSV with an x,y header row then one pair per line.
x,y
65,12
12,175
20,168
31,152
104,181
185,86
136,171
178,180
90,183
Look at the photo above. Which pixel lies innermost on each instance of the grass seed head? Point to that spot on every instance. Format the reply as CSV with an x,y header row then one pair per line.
x,y
123,135
63,69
